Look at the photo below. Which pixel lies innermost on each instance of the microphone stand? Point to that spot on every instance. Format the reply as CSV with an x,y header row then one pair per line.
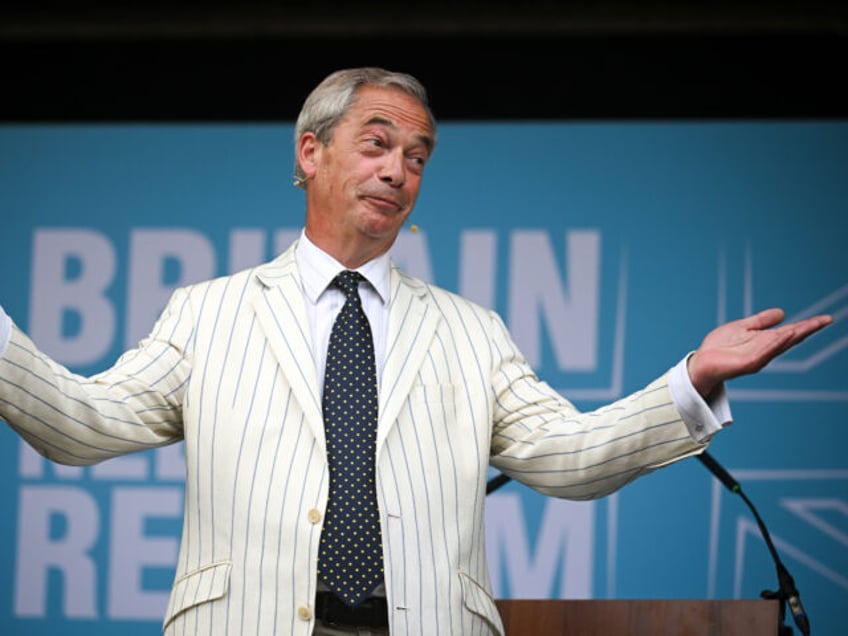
x,y
786,592
496,482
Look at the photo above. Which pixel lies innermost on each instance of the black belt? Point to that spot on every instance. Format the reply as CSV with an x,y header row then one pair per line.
x,y
333,612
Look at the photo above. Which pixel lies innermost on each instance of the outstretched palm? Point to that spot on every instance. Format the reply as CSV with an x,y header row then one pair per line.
x,y
747,345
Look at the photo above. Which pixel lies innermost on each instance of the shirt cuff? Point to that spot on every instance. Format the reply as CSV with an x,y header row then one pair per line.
x,y
703,417
5,331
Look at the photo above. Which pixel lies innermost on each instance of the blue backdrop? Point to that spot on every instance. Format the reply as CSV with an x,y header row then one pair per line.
x,y
609,248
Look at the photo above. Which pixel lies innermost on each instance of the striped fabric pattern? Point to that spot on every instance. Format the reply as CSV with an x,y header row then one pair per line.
x,y
228,369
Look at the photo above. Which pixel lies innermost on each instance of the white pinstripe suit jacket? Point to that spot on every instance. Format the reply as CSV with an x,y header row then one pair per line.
x,y
229,369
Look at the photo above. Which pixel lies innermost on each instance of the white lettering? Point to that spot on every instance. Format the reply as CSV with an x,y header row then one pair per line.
x,y
283,239
135,467
477,266
565,548
131,551
412,256
38,552
170,463
247,249
71,318
151,254
536,291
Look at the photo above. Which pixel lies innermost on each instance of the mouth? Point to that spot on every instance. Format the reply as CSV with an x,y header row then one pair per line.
x,y
384,204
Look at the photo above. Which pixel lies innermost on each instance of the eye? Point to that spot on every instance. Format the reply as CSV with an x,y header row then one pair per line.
x,y
419,157
372,145
416,163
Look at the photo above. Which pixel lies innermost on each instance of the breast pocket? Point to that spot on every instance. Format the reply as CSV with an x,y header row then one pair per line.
x,y
436,447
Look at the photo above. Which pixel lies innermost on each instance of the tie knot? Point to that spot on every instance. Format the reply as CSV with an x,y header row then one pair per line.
x,y
348,282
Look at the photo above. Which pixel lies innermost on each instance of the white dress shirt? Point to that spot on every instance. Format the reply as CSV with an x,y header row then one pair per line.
x,y
323,301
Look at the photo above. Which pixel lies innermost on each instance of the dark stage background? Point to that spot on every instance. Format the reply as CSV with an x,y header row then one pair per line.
x,y
493,60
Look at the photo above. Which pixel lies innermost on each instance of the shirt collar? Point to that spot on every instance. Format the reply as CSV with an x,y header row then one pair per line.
x,y
318,269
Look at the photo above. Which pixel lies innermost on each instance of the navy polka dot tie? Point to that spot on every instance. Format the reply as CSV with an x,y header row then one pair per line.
x,y
350,559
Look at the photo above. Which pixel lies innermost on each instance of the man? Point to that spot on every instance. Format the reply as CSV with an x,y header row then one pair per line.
x,y
238,368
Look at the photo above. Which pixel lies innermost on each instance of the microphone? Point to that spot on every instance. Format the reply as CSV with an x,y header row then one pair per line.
x,y
787,592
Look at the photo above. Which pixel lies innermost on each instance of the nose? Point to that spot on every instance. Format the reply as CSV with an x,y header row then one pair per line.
x,y
393,169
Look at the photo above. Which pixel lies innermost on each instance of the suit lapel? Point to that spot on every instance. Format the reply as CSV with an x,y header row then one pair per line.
x,y
412,324
281,313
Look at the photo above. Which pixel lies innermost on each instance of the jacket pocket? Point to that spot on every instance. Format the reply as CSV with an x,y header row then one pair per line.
x,y
205,584
478,600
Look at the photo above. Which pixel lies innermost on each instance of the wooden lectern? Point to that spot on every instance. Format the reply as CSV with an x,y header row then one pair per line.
x,y
639,617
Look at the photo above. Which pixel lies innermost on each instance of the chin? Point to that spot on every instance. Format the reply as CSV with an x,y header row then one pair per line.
x,y
384,227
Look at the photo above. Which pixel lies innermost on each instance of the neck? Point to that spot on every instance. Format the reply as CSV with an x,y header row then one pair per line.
x,y
352,251
348,253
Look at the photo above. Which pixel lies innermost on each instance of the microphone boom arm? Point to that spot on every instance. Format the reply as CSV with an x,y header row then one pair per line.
x,y
786,593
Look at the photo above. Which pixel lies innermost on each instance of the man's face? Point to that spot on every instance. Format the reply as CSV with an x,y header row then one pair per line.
x,y
364,183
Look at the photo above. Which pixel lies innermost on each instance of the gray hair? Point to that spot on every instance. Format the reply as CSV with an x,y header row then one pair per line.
x,y
330,101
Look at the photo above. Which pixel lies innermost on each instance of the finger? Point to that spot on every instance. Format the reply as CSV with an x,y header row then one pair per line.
x,y
818,322
787,336
805,328
764,319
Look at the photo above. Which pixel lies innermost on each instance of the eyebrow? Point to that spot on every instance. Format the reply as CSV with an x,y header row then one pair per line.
x,y
426,140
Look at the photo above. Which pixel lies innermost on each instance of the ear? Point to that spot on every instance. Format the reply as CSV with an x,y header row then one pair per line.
x,y
308,153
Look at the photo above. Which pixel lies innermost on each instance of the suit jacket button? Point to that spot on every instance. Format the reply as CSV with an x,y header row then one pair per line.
x,y
304,613
314,515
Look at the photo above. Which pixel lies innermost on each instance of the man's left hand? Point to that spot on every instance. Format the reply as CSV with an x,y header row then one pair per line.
x,y
745,346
